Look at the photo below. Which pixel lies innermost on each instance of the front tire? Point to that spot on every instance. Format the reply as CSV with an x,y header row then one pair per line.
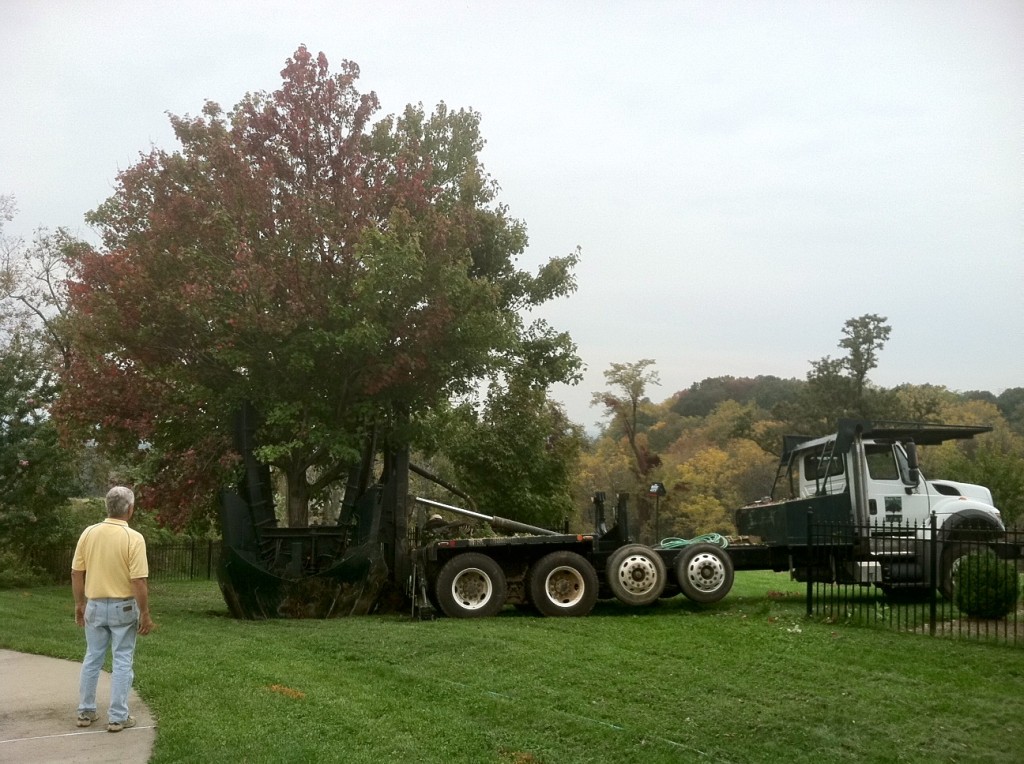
x,y
563,584
471,585
705,572
636,575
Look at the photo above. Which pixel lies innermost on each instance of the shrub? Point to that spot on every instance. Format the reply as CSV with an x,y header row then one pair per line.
x,y
986,587
16,573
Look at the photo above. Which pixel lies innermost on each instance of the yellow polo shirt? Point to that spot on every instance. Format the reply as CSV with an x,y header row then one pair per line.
x,y
111,554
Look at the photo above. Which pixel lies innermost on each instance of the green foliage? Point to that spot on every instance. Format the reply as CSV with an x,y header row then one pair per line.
x,y
517,457
986,587
1011,404
18,573
839,387
994,460
921,403
863,338
766,392
36,473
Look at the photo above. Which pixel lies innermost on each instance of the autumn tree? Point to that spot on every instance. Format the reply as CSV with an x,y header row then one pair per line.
x,y
712,483
342,276
994,460
624,405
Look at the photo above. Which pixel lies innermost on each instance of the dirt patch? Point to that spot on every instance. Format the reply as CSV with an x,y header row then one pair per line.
x,y
1010,629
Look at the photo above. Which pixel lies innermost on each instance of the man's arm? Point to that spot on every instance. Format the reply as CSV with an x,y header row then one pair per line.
x,y
140,590
78,588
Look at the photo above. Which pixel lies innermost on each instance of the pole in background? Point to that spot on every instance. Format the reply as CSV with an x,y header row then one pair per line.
x,y
657,490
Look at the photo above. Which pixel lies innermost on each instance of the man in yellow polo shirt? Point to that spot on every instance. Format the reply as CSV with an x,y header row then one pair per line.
x,y
109,579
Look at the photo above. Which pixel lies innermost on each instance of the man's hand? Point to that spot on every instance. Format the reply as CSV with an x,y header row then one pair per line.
x,y
146,624
78,591
140,589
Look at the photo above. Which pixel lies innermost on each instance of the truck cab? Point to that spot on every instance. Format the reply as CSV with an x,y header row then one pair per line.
x,y
876,463
866,478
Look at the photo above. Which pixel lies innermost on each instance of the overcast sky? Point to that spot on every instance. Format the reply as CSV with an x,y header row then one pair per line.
x,y
742,177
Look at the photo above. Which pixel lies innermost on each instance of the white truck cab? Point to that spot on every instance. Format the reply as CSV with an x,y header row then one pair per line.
x,y
866,479
877,464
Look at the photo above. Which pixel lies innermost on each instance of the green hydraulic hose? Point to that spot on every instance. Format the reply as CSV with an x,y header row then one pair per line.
x,y
707,538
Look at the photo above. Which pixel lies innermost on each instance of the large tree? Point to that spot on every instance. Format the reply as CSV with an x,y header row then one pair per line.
x,y
342,276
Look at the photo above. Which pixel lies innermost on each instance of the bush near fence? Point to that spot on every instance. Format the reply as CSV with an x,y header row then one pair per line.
x,y
185,560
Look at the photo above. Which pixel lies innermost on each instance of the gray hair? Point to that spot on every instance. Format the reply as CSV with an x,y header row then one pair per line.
x,y
119,501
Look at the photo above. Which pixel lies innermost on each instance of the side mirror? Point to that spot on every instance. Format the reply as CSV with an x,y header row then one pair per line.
x,y
914,475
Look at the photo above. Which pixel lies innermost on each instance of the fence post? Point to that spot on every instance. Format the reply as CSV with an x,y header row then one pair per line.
x,y
192,559
933,565
209,559
810,564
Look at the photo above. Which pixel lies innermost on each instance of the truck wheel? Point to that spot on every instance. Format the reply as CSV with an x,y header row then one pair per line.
x,y
636,575
471,585
563,584
704,572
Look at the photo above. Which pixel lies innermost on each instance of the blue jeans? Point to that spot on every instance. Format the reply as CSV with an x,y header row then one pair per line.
x,y
112,623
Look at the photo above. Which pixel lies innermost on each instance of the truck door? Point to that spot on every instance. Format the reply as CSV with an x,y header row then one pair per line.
x,y
892,501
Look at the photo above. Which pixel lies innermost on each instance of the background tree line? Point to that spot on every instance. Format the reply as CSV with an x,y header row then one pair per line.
x,y
715,445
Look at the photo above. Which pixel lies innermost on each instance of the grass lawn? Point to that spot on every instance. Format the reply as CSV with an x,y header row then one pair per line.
x,y
747,680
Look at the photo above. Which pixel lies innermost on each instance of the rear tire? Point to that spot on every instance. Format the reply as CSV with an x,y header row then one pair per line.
x,y
636,575
563,584
704,572
471,585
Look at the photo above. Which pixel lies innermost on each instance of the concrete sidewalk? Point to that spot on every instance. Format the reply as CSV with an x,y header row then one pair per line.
x,y
37,721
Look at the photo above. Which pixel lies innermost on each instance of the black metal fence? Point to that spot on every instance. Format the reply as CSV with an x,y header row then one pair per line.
x,y
185,560
918,579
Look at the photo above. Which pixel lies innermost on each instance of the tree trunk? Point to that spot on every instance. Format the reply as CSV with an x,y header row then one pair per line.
x,y
298,496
